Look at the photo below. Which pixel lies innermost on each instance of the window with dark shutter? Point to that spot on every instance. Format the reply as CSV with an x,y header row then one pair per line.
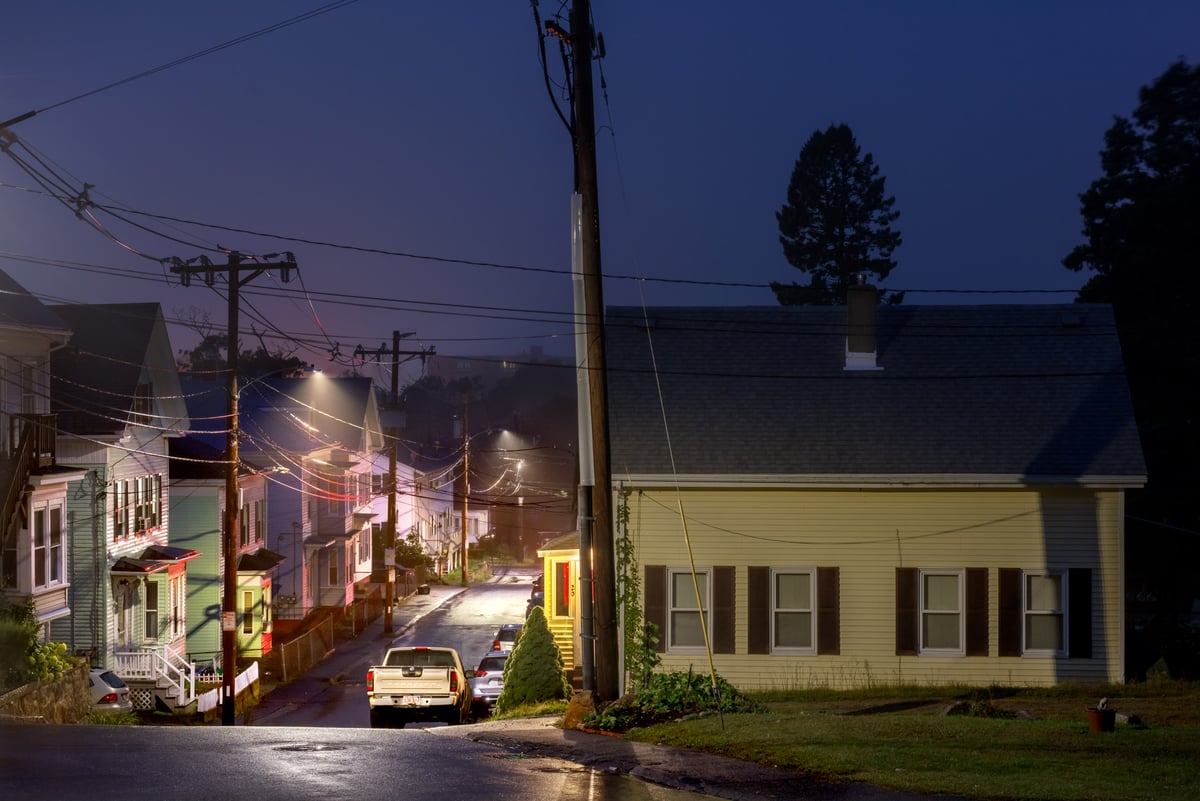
x,y
906,611
758,610
724,621
977,611
829,632
1079,589
654,602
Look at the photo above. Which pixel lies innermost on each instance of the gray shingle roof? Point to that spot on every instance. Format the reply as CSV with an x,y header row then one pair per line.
x,y
1003,394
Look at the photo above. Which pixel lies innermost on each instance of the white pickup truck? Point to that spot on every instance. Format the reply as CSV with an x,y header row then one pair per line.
x,y
418,683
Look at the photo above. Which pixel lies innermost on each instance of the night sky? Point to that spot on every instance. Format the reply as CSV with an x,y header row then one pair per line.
x,y
426,130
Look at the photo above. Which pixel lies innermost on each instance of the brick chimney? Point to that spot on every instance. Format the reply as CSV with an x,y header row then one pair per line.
x,y
862,302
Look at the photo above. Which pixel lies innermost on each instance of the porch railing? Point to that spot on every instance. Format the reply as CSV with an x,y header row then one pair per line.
x,y
159,665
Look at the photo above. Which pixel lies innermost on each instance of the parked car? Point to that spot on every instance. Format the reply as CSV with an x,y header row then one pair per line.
x,y
109,693
487,683
507,636
536,599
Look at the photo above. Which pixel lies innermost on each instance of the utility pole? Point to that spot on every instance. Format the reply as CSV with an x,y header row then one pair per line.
x,y
390,434
229,542
466,491
603,556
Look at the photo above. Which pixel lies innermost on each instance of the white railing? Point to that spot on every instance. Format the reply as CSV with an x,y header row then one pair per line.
x,y
159,665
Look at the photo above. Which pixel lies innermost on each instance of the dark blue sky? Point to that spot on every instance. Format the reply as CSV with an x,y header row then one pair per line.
x,y
426,129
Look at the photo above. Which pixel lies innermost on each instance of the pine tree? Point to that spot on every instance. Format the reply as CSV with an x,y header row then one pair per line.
x,y
533,671
836,222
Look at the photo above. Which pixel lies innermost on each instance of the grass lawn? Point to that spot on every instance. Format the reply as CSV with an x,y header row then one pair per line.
x,y
1035,745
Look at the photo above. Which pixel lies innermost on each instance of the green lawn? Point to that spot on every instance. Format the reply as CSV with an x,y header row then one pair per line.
x,y
903,741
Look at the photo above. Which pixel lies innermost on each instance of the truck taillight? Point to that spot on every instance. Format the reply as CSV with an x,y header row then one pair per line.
x,y
454,681
370,681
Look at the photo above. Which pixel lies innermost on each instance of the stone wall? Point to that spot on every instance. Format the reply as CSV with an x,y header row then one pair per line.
x,y
67,700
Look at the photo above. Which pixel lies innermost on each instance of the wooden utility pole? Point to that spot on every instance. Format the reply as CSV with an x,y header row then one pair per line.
x,y
391,434
466,492
603,556
229,540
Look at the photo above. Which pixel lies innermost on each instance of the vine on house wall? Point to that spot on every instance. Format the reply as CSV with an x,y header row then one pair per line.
x,y
641,638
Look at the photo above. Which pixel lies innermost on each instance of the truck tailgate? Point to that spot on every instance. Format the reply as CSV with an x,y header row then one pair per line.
x,y
412,681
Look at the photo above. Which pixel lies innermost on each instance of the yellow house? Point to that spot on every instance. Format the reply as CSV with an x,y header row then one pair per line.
x,y
561,586
897,494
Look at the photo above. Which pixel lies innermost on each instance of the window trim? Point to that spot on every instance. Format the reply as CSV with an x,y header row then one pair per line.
x,y
704,577
774,610
1062,612
961,612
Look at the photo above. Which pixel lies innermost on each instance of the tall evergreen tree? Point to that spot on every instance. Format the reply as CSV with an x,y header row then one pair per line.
x,y
837,221
1139,225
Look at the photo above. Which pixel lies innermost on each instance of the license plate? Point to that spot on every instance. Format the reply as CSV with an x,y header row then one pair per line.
x,y
409,700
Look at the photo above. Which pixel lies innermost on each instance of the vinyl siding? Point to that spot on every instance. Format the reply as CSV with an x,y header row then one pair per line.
x,y
196,524
867,534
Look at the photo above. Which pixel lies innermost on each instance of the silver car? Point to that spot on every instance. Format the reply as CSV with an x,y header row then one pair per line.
x,y
109,693
487,683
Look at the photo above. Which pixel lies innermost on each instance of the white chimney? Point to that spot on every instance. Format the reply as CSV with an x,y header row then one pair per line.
x,y
862,302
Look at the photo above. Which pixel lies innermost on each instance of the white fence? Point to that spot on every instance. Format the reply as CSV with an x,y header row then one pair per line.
x,y
212,699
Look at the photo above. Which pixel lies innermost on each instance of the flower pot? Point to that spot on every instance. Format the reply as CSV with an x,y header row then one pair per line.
x,y
1101,719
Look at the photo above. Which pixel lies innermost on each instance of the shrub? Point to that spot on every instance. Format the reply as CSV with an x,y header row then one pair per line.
x,y
534,669
670,696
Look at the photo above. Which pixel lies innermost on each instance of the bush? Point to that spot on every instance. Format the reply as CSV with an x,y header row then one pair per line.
x,y
534,669
670,696
22,658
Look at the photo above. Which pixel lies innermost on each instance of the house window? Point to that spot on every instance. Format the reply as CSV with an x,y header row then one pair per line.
x,y
333,567
150,611
247,613
120,509
39,548
941,612
48,554
260,516
178,599
143,403
793,599
685,608
244,525
1043,612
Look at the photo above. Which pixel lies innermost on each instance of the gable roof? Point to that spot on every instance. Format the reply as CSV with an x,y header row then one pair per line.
x,y
1010,395
115,347
20,310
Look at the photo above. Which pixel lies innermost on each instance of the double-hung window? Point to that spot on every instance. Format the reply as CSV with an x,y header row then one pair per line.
x,y
1043,612
687,601
48,553
150,611
942,619
793,600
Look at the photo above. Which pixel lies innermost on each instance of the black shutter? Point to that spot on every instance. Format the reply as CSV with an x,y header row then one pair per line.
x,y
1079,609
906,611
654,600
1010,611
977,611
829,622
758,611
723,617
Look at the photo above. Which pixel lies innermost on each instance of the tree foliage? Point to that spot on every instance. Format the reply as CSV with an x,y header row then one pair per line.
x,y
534,670
1139,226
837,221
